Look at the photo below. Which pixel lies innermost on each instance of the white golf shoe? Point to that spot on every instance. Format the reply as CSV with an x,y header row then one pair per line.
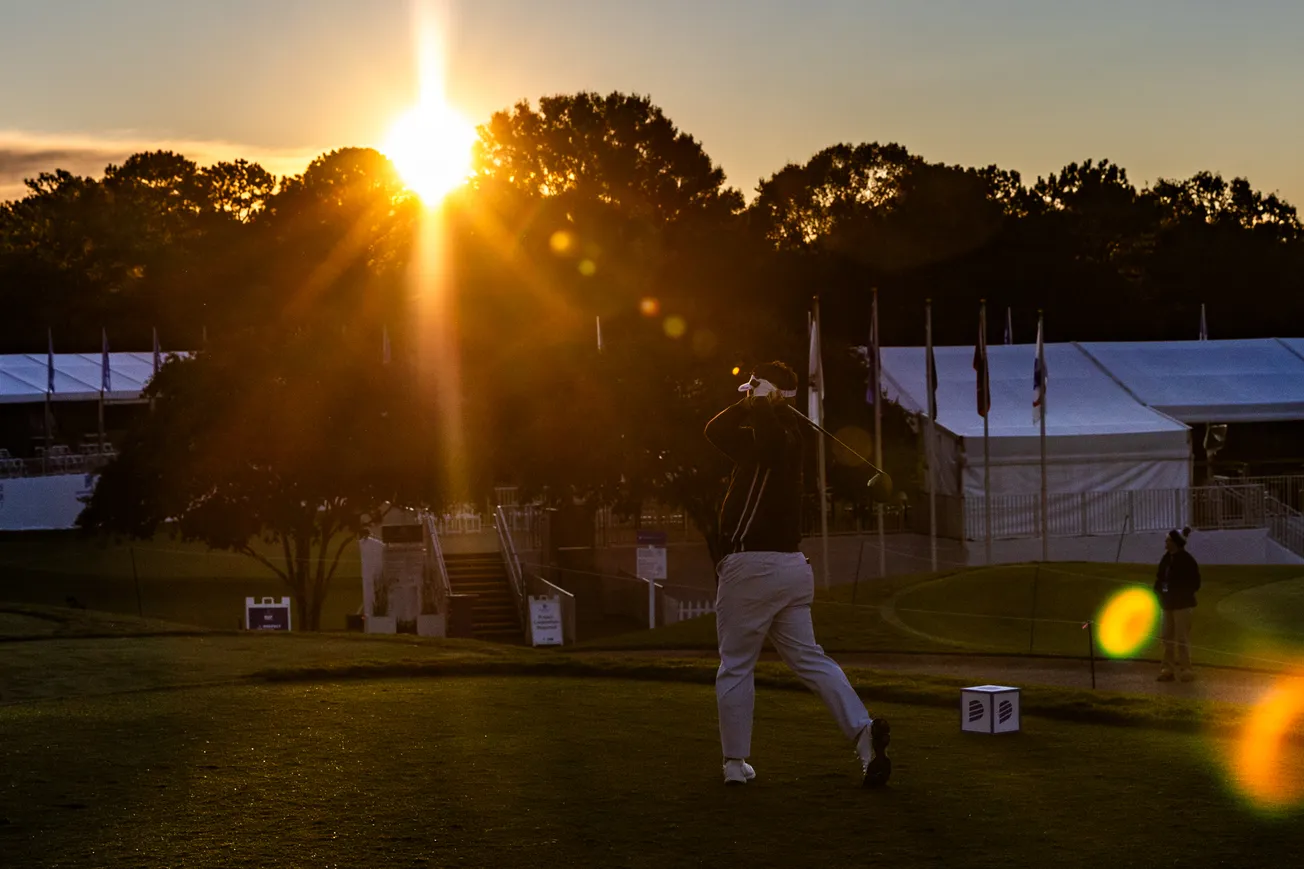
x,y
871,746
738,772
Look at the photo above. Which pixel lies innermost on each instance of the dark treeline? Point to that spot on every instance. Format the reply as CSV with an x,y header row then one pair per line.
x,y
160,241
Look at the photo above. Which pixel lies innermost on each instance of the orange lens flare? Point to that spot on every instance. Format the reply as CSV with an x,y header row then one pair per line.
x,y
1268,776
1127,622
561,241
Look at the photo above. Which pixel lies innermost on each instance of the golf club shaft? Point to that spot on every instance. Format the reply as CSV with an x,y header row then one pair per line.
x,y
878,472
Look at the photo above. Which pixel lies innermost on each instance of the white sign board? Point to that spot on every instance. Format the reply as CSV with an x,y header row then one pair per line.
x,y
545,621
267,615
650,562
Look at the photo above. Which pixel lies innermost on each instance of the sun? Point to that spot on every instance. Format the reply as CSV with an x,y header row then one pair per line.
x,y
430,147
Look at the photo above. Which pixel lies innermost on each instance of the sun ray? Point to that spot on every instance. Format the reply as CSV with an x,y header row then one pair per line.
x,y
430,145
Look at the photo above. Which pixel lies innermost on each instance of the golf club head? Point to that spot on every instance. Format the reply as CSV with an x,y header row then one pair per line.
x,y
880,487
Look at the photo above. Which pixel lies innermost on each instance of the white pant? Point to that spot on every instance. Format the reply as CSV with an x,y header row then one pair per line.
x,y
770,593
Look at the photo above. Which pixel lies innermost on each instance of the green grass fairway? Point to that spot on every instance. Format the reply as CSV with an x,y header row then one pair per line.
x,y
544,771
179,582
1034,610
1026,609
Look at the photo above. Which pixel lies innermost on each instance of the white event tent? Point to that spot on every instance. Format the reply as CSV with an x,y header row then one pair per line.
x,y
1098,436
1237,381
77,377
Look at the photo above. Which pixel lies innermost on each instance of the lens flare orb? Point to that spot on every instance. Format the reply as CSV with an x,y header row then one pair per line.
x,y
675,326
561,242
1266,766
1127,622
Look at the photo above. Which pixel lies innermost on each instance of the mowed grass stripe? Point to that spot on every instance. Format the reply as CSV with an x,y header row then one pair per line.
x,y
495,771
41,670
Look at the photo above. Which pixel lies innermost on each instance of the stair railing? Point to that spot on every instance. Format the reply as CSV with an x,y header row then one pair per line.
x,y
435,553
1285,525
516,579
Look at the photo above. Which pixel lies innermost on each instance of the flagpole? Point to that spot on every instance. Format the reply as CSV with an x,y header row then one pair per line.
x,y
157,352
104,376
824,511
930,452
1009,326
49,397
877,386
987,453
1045,515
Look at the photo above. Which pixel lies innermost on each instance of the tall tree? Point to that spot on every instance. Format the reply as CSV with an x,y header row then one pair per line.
x,y
619,148
238,189
284,439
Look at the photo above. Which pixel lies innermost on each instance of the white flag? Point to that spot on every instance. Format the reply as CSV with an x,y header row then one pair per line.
x,y
1039,379
815,392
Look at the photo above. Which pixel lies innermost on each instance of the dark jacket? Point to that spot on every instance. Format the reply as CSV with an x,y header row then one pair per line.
x,y
1177,580
762,509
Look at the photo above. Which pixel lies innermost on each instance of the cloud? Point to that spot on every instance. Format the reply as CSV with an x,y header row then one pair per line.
x,y
26,155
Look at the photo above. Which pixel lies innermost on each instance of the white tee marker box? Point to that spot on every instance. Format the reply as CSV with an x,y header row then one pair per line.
x,y
989,709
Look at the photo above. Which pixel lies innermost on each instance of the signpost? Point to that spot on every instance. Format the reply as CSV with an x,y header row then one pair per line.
x,y
267,615
545,621
650,565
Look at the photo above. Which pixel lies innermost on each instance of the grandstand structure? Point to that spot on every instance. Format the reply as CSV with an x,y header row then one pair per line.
x,y
60,417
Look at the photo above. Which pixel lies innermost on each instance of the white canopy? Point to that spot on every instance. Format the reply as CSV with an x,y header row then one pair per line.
x,y
77,376
1255,380
1098,437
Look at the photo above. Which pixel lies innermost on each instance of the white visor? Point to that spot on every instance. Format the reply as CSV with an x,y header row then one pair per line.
x,y
761,387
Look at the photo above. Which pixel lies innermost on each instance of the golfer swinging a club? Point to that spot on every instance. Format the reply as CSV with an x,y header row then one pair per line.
x,y
765,583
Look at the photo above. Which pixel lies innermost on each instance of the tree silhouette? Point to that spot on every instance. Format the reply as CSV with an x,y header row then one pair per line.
x,y
284,439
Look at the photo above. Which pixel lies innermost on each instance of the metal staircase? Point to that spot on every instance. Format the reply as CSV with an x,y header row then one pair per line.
x,y
495,611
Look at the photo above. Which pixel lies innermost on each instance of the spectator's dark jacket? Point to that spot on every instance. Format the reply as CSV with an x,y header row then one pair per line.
x,y
1177,580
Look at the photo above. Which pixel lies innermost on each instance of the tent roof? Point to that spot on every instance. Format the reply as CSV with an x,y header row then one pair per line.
x,y
1252,380
1081,398
77,376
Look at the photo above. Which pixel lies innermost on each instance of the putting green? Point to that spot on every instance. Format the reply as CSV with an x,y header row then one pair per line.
x,y
19,625
1274,607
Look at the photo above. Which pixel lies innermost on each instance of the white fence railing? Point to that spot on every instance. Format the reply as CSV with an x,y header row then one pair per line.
x,y
462,521
676,609
517,581
1285,525
1286,488
59,460
1087,514
435,580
